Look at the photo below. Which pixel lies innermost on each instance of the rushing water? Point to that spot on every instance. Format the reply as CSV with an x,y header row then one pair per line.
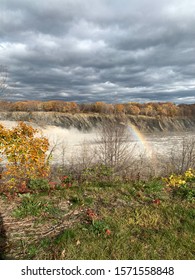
x,y
69,143
163,143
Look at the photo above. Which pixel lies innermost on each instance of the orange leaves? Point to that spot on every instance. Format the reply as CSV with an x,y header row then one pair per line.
x,y
119,108
91,214
133,108
108,232
24,152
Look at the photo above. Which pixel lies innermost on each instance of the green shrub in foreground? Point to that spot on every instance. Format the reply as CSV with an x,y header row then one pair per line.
x,y
39,184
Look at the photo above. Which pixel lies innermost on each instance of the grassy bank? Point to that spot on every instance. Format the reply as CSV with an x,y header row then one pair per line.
x,y
95,220
112,208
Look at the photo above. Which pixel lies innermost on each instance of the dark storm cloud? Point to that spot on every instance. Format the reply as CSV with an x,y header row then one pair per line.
x,y
109,50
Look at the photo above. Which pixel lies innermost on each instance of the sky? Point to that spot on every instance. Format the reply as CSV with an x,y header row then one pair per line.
x,y
115,51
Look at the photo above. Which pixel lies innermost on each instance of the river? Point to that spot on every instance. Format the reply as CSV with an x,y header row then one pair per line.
x,y
69,144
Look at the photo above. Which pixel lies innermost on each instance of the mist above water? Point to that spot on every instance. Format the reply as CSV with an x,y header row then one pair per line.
x,y
66,144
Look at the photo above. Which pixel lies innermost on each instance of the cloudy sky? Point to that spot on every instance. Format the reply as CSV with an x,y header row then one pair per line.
x,y
99,50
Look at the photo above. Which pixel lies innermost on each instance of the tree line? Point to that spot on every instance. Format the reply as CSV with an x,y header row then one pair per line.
x,y
151,109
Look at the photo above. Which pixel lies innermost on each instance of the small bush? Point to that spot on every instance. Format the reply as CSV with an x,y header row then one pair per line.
x,y
187,192
182,185
25,155
39,184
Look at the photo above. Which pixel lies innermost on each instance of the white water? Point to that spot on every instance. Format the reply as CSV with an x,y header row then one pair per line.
x,y
70,143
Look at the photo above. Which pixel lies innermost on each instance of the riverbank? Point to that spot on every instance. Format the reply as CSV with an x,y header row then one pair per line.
x,y
87,122
120,209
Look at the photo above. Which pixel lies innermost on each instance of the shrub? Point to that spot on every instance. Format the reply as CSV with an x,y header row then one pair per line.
x,y
182,185
24,153
39,184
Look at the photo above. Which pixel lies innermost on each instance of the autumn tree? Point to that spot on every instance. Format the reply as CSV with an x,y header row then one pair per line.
x,y
152,109
168,109
19,106
33,105
70,107
86,107
147,110
172,109
184,110
132,109
119,108
99,107
23,153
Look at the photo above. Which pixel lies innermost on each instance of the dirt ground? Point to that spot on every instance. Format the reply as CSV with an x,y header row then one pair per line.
x,y
16,234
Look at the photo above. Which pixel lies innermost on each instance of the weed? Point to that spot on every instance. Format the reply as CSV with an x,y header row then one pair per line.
x,y
99,227
76,200
32,206
98,176
32,251
64,237
39,184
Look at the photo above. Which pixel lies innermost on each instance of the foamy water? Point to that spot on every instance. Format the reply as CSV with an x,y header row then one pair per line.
x,y
64,143
71,143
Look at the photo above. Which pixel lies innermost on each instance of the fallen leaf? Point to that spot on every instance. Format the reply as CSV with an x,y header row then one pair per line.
x,y
78,242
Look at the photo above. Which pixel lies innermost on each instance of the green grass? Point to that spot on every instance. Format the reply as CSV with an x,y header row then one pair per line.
x,y
128,221
35,205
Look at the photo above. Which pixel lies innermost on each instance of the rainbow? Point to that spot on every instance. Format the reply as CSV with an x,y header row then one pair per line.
x,y
147,149
144,144
140,138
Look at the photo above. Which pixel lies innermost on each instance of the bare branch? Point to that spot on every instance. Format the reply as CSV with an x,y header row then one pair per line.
x,y
113,146
181,156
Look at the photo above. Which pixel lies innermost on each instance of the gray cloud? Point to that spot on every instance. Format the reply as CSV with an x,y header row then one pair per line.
x,y
109,50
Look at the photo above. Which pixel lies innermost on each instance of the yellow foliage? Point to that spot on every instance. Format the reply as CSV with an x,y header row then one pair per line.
x,y
180,180
190,174
24,152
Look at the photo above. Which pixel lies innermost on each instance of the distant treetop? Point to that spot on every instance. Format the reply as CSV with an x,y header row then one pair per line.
x,y
131,108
